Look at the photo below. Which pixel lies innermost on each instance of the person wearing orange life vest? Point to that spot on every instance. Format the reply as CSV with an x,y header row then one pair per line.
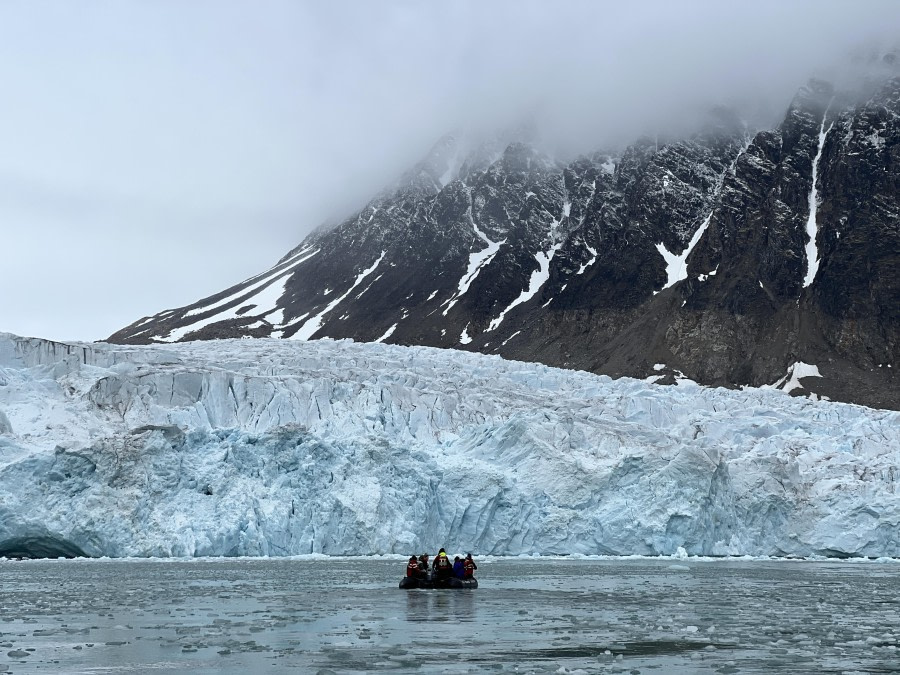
x,y
412,567
442,566
469,567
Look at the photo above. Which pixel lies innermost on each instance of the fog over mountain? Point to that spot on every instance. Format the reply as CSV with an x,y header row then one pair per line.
x,y
156,153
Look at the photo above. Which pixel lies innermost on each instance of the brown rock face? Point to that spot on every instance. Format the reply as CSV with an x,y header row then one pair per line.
x,y
500,250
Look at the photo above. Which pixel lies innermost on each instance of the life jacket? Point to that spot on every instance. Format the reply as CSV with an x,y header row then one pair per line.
x,y
412,569
469,567
443,562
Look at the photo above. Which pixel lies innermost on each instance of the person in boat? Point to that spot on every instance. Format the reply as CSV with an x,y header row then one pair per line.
x,y
423,566
412,567
458,567
469,567
442,566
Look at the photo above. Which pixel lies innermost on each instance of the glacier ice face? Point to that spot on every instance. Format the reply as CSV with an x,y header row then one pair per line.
x,y
269,447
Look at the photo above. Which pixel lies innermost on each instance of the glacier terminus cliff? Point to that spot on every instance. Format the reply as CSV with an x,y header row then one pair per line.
x,y
273,448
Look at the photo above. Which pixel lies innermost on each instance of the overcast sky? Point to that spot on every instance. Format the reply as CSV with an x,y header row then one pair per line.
x,y
154,152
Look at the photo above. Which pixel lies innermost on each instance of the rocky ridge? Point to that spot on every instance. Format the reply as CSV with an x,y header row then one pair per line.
x,y
727,257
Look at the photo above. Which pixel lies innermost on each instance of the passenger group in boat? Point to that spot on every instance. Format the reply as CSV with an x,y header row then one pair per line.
x,y
441,569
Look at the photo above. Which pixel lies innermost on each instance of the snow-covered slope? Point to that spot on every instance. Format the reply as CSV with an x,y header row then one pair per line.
x,y
272,447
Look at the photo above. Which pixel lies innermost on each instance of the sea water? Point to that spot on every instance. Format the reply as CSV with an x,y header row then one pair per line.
x,y
543,615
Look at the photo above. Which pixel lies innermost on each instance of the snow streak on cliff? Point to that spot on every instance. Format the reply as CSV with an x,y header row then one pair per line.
x,y
272,447
726,254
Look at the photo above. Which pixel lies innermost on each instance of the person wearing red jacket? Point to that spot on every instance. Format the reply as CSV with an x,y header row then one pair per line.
x,y
412,567
469,567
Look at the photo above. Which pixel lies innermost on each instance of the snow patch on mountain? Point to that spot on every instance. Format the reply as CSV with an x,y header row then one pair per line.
x,y
264,279
676,265
464,337
704,277
538,278
262,295
590,262
477,261
795,373
308,329
812,251
387,333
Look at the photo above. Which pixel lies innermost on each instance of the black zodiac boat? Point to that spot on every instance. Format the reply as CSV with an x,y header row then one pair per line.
x,y
413,582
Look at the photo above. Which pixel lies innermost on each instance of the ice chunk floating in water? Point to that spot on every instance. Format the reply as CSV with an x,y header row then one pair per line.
x,y
269,447
208,617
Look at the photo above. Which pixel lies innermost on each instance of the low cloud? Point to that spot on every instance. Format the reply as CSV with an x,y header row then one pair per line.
x,y
227,131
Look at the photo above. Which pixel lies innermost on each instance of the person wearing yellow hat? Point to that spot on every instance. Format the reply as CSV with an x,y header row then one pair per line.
x,y
442,566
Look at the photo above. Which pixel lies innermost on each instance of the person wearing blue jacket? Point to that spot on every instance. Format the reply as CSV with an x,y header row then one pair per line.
x,y
458,568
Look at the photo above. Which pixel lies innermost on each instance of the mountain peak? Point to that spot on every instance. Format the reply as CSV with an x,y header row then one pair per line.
x,y
724,259
520,157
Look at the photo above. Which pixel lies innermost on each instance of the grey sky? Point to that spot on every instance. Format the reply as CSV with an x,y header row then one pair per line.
x,y
154,152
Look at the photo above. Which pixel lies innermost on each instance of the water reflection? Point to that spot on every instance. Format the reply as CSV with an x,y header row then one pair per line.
x,y
440,605
418,605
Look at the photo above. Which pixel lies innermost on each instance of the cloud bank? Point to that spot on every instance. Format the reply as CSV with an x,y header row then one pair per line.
x,y
157,152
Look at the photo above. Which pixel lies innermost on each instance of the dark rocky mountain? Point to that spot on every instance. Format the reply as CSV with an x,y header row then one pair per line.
x,y
697,258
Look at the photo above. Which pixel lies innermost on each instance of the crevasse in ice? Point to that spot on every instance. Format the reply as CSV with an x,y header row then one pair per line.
x,y
268,447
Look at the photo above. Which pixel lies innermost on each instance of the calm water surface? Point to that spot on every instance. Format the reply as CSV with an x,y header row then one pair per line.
x,y
346,616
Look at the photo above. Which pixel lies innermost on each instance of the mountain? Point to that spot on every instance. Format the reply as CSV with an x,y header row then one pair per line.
x,y
727,257
279,447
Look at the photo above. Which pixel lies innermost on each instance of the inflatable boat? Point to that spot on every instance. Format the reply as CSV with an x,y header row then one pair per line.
x,y
452,582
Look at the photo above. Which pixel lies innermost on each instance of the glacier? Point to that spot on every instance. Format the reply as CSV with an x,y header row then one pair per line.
x,y
273,448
